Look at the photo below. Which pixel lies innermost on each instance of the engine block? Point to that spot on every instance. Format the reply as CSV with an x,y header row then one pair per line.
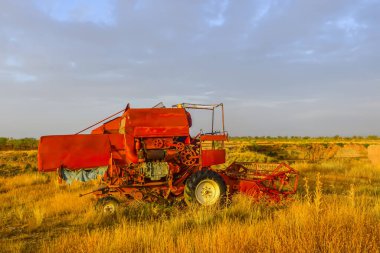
x,y
154,170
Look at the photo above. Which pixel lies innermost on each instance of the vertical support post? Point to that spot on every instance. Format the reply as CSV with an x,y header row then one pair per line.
x,y
222,116
212,123
212,126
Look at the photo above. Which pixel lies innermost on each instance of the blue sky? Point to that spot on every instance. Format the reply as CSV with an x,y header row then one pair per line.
x,y
280,67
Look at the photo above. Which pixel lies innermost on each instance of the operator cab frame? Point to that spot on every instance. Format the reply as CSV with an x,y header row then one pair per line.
x,y
211,144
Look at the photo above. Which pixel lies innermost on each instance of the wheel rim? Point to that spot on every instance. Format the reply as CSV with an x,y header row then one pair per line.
x,y
207,192
109,208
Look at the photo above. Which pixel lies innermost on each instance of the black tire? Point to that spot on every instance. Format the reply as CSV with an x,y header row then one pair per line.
x,y
107,205
205,188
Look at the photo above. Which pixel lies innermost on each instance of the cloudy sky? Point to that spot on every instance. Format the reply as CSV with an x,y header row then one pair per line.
x,y
280,67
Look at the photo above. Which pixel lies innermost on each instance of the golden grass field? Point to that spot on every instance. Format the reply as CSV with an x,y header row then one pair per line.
x,y
336,209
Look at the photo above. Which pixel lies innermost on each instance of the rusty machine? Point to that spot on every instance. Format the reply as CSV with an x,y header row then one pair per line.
x,y
148,154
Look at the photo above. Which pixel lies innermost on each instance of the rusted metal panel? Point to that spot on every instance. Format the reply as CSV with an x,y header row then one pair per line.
x,y
216,137
213,157
272,180
160,131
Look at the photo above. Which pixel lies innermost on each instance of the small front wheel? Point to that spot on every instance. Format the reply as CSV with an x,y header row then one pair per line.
x,y
205,188
107,205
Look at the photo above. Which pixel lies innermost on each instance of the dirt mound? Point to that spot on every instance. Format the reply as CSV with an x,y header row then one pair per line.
x,y
374,154
352,151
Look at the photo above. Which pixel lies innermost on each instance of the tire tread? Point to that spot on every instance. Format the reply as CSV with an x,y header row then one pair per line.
x,y
196,178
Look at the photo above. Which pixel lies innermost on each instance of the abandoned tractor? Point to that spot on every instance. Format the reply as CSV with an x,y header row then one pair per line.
x,y
147,154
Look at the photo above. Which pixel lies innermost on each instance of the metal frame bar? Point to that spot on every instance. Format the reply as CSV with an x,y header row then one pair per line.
x,y
210,107
97,123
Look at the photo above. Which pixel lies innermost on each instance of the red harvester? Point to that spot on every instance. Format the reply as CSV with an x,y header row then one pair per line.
x,y
148,154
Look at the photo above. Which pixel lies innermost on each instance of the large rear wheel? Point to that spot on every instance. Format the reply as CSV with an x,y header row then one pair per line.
x,y
206,188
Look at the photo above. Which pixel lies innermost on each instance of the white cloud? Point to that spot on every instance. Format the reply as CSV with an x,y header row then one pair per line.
x,y
73,64
216,10
349,25
308,52
139,5
16,76
13,61
108,75
99,12
261,12
293,54
23,77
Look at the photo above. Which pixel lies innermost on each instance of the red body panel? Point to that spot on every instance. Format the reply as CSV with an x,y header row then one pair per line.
x,y
149,122
156,122
75,151
213,157
156,117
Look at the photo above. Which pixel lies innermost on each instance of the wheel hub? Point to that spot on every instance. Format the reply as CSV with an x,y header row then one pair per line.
x,y
207,192
109,208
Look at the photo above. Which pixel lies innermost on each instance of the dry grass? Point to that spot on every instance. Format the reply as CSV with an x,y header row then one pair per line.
x,y
374,154
15,162
337,209
244,227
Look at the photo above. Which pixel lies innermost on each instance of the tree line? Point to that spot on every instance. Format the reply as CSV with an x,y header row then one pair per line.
x,y
18,144
32,143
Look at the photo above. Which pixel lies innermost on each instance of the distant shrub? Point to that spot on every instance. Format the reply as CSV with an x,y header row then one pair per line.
x,y
372,137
